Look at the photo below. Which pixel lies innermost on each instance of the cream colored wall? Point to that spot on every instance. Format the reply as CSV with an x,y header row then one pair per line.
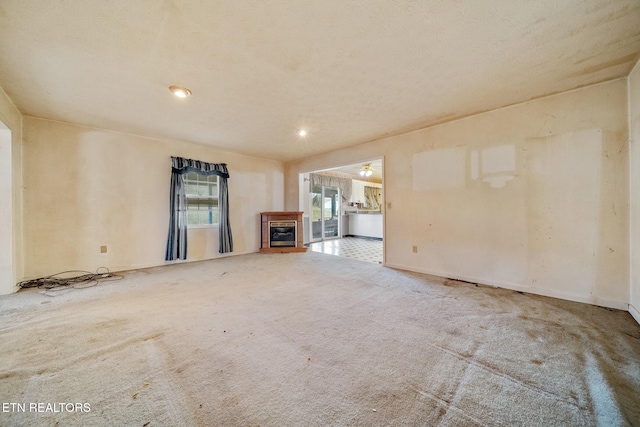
x,y
11,261
634,160
87,187
532,197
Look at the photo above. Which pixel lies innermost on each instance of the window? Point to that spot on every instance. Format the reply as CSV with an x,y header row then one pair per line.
x,y
202,199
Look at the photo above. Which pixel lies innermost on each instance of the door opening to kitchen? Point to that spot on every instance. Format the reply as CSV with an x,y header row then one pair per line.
x,y
343,211
6,212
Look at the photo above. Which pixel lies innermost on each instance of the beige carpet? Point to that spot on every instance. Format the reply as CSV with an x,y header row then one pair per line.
x,y
311,340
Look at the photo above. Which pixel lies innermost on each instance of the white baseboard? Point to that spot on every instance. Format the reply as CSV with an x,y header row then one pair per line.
x,y
619,305
634,312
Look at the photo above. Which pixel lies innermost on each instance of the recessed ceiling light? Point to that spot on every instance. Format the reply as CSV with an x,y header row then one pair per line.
x,y
302,132
180,92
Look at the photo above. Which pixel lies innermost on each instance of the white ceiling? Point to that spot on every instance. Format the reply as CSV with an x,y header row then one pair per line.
x,y
354,170
348,72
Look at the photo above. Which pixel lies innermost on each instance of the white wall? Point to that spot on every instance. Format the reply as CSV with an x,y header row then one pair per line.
x,y
531,197
634,160
11,261
6,211
87,187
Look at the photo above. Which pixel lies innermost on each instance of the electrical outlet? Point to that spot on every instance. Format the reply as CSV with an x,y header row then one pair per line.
x,y
103,249
415,249
388,205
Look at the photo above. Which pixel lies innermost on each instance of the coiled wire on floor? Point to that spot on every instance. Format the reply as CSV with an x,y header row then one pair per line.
x,y
85,279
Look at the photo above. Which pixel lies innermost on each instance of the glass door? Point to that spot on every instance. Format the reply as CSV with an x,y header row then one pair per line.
x,y
325,214
316,216
330,212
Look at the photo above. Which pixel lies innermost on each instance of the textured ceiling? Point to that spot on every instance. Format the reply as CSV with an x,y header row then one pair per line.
x,y
348,71
354,171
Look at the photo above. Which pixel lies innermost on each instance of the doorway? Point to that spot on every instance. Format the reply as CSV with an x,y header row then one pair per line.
x,y
6,212
339,216
325,214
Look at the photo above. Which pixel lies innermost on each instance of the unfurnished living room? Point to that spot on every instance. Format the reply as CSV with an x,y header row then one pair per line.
x,y
168,167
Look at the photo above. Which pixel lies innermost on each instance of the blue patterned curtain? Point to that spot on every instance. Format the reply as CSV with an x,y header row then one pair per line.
x,y
177,239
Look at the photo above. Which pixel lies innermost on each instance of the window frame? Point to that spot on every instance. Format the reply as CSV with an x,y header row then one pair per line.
x,y
197,180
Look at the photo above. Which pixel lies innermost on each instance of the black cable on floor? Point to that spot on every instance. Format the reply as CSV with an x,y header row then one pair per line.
x,y
84,280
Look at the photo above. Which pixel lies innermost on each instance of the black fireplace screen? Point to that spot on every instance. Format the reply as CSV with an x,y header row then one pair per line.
x,y
282,234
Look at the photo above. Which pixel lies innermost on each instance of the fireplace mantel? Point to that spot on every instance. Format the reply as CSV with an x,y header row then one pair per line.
x,y
266,217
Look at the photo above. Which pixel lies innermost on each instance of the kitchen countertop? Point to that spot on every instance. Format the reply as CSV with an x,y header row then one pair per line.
x,y
363,211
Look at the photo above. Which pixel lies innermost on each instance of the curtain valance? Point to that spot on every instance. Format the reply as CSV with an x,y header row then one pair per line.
x,y
316,181
181,166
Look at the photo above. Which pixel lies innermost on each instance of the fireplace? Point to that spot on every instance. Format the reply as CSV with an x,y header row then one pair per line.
x,y
283,234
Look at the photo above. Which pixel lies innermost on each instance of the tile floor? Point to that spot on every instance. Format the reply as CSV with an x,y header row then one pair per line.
x,y
360,248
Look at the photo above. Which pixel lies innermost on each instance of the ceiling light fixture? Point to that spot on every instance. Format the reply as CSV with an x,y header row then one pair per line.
x,y
180,92
366,170
302,132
